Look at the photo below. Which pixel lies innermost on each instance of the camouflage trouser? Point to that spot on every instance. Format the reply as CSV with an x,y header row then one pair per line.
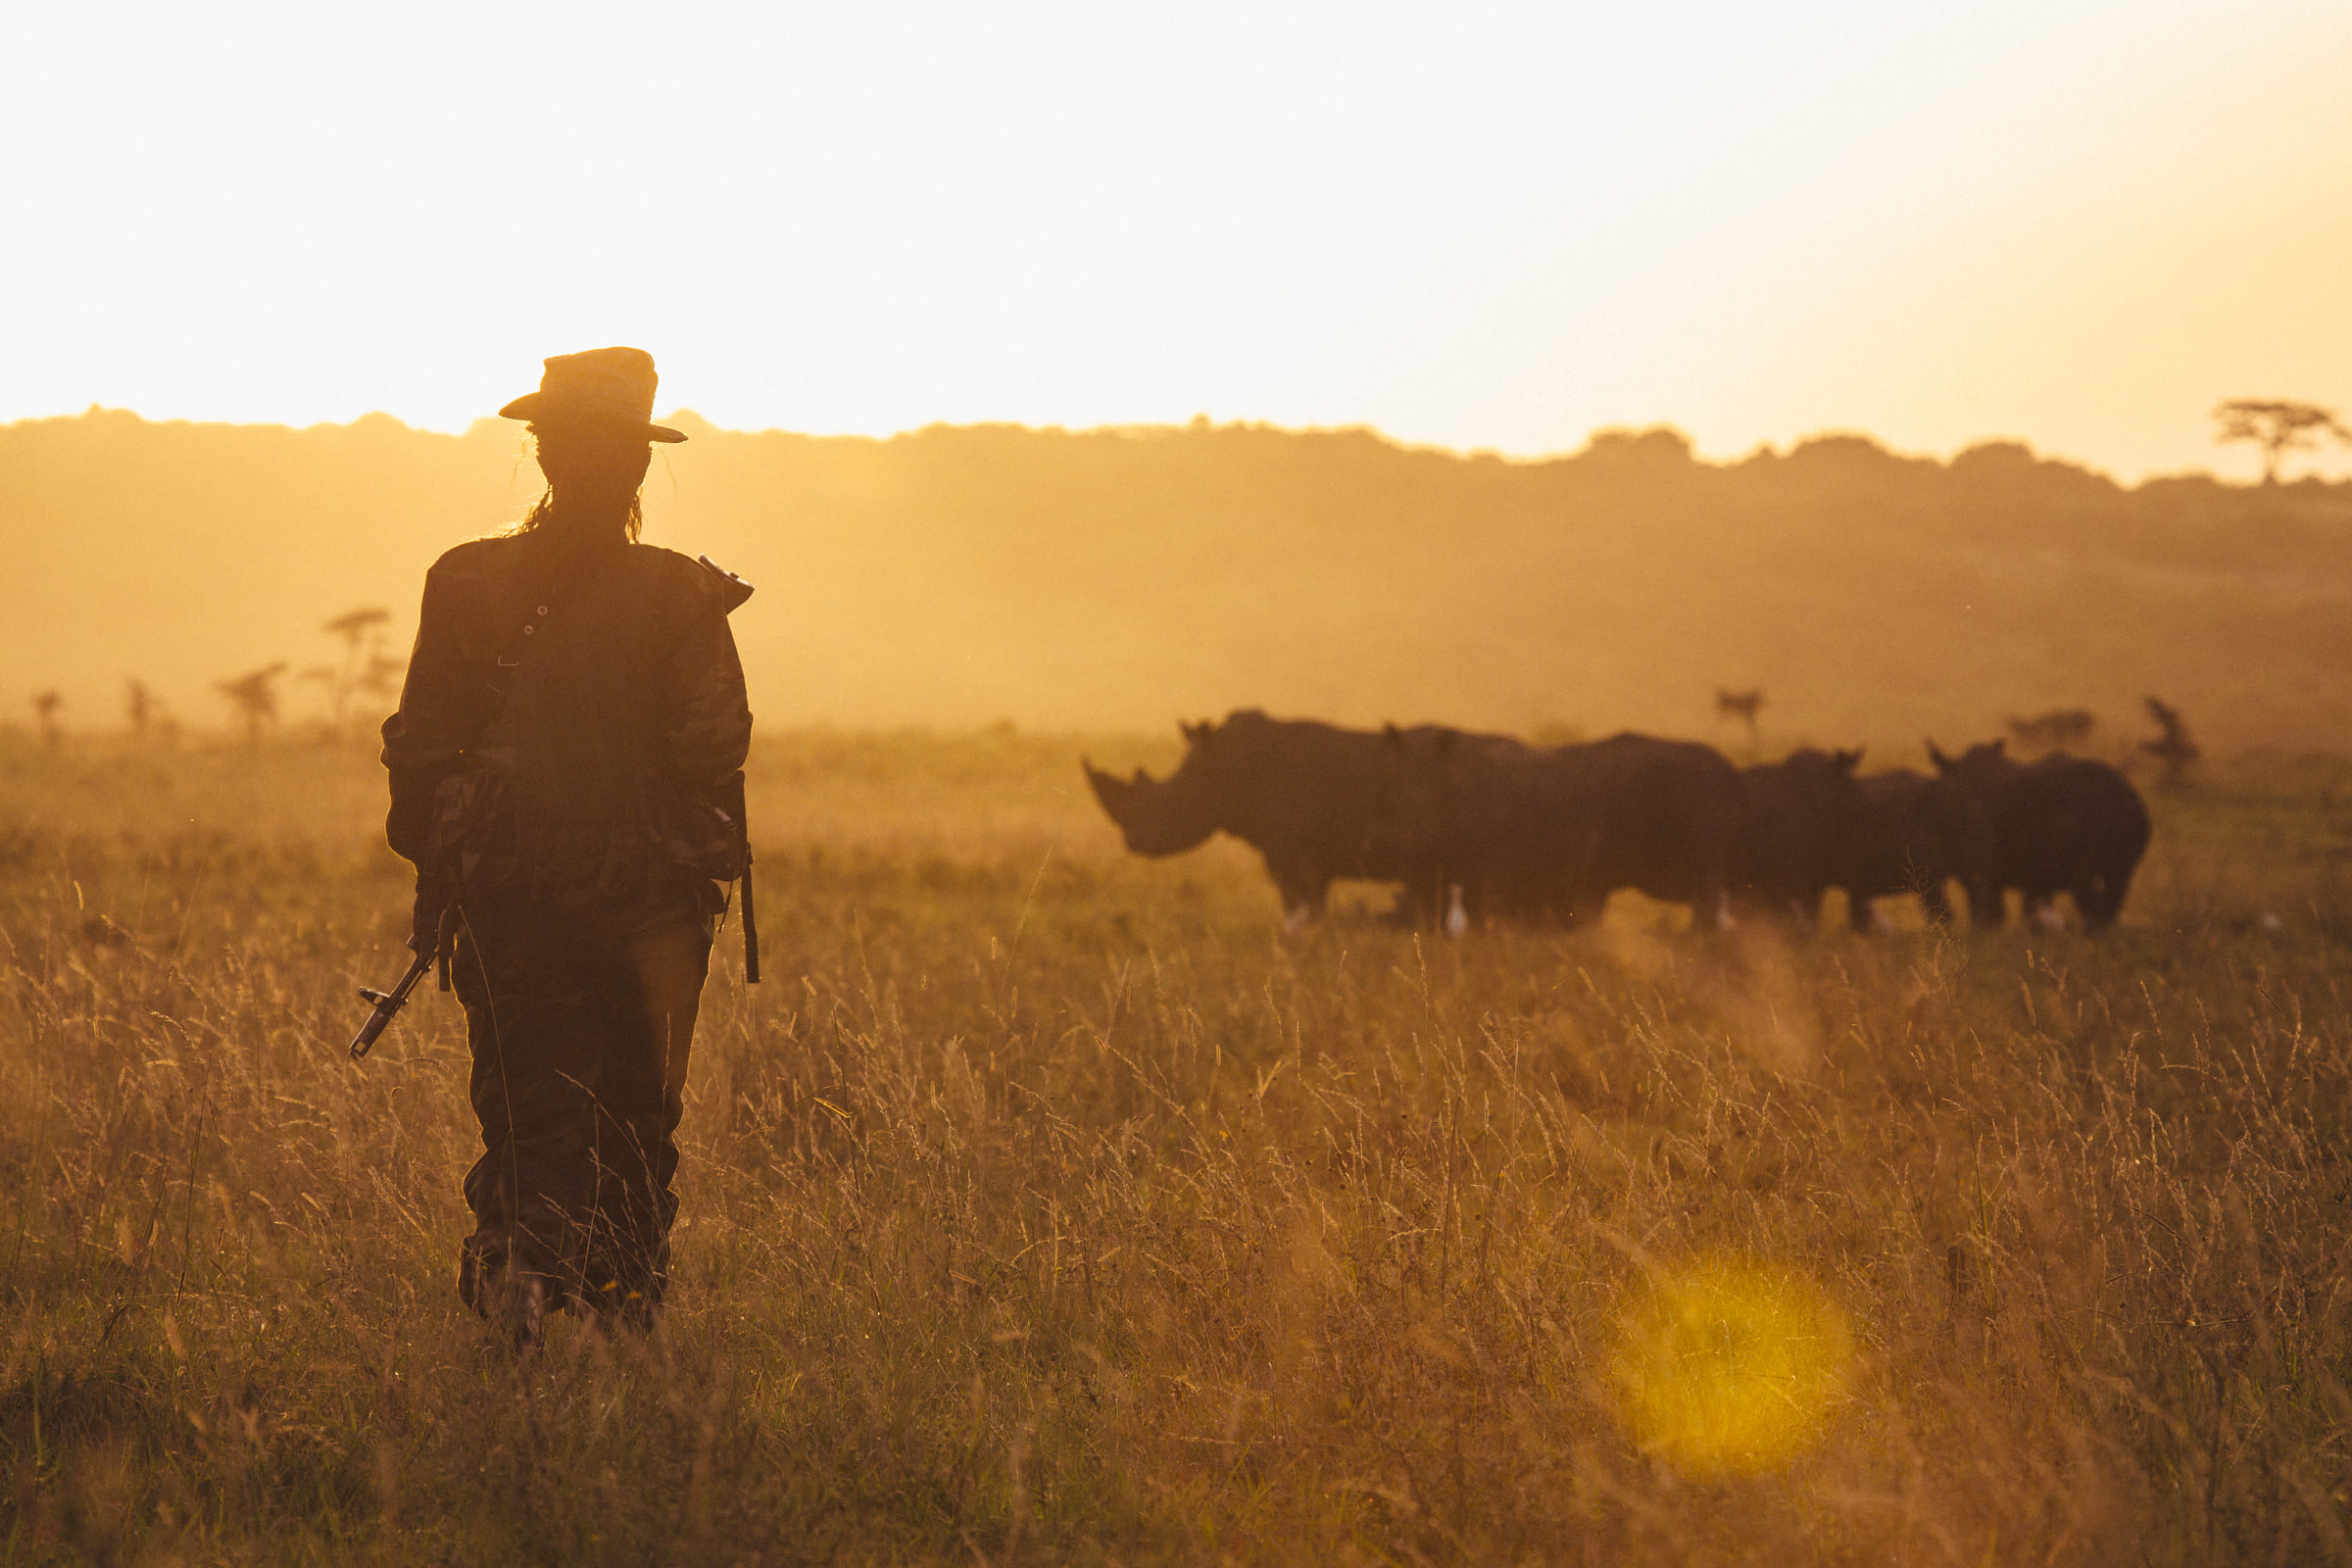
x,y
581,1031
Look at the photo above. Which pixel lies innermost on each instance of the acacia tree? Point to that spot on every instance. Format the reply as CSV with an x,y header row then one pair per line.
x,y
362,634
138,704
253,695
45,706
2279,426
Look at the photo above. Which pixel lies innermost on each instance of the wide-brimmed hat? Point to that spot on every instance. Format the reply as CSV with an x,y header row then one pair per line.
x,y
612,387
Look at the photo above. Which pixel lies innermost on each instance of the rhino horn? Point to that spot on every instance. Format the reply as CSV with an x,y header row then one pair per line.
x,y
1108,789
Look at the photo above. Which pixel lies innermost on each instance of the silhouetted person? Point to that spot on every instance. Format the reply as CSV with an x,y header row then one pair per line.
x,y
573,708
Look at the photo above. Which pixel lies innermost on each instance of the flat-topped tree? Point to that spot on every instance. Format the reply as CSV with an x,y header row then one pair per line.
x,y
2278,425
253,695
362,634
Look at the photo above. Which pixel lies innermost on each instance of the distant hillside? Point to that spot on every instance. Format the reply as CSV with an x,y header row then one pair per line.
x,y
1119,578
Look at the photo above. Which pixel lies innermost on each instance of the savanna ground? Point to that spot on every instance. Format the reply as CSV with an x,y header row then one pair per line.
x,y
1045,1204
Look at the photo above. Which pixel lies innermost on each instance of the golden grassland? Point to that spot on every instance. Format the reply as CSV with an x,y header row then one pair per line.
x,y
1046,1204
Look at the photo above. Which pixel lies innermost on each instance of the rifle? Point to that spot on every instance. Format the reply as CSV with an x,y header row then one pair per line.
x,y
750,929
731,811
429,938
733,591
389,1004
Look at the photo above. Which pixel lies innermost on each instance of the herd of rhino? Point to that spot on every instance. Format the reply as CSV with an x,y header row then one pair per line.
x,y
1477,826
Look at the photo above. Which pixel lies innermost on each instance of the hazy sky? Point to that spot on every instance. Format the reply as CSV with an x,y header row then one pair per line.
x,y
2076,221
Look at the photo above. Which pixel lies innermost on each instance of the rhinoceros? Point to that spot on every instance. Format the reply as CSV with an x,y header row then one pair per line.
x,y
1919,834
1549,833
1803,813
1814,824
2061,824
1312,798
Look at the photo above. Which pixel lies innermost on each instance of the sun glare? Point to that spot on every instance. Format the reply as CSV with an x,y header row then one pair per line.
x,y
1731,1367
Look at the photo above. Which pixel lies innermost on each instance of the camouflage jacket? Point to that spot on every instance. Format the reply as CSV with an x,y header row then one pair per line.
x,y
623,720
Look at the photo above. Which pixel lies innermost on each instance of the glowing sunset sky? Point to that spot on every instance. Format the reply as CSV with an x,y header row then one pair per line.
x,y
2074,222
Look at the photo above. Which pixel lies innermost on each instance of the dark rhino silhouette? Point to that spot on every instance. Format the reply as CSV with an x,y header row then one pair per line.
x,y
1311,797
1804,815
2061,824
1916,835
1813,824
1504,828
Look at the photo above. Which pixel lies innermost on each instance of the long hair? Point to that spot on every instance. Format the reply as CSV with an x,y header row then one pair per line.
x,y
536,520
593,484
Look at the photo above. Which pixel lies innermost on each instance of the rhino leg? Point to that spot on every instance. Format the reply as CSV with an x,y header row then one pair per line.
x,y
1302,888
2100,904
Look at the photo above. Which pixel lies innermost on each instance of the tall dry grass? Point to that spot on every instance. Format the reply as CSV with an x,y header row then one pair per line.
x,y
1047,1205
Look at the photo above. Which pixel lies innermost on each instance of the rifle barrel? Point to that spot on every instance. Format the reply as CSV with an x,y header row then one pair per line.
x,y
751,928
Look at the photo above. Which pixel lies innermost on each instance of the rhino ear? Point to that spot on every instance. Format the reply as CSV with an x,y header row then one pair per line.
x,y
2000,748
1847,761
1194,734
1935,755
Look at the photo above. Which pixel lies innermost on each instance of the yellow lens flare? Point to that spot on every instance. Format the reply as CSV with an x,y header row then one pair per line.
x,y
1731,1366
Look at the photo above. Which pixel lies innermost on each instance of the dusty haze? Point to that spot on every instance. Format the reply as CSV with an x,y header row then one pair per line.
x,y
1118,578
